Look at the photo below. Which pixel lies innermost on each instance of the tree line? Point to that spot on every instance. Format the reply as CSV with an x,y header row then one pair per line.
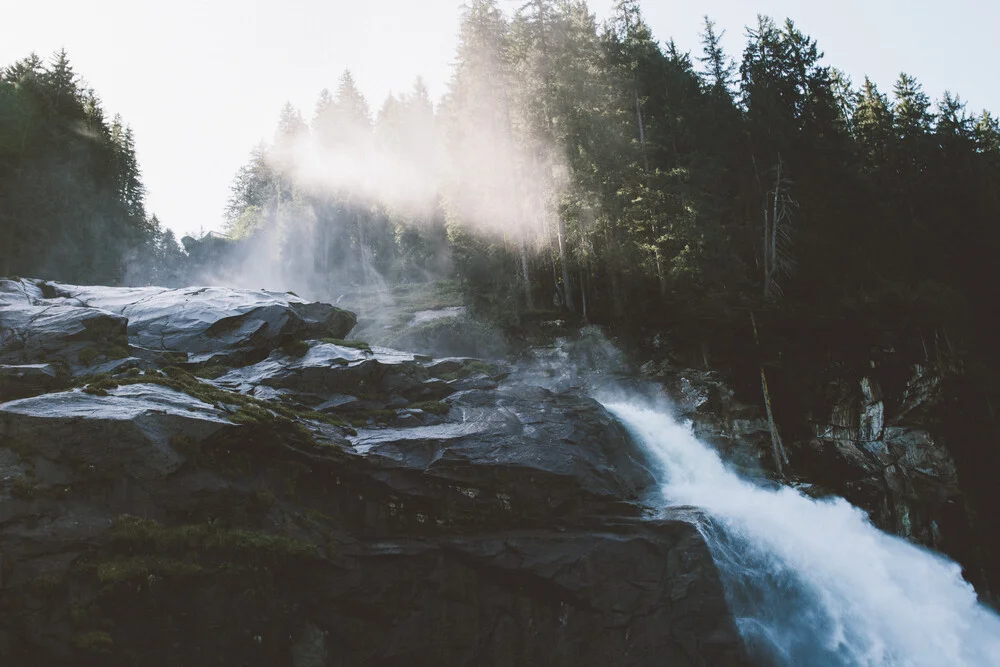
x,y
596,170
73,201
772,216
761,207
588,169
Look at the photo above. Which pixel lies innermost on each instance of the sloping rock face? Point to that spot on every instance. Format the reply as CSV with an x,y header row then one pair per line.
x,y
19,381
890,459
83,326
882,451
34,329
563,453
127,431
207,321
321,503
330,369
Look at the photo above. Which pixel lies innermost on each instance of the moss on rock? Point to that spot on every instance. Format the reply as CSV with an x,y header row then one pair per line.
x,y
143,547
97,641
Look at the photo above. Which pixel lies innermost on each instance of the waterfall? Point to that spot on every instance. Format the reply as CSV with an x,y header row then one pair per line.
x,y
813,582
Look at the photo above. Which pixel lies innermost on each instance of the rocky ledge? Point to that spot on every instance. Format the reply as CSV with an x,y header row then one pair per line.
x,y
218,477
877,441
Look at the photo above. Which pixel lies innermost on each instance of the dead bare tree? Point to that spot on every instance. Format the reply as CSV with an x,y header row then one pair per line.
x,y
777,446
778,206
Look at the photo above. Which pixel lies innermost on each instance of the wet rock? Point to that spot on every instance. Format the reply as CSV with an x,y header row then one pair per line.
x,y
309,649
476,382
465,524
39,320
499,537
551,452
533,597
396,402
330,370
16,291
872,449
207,321
457,366
886,461
29,380
339,402
34,330
738,430
129,431
409,418
325,369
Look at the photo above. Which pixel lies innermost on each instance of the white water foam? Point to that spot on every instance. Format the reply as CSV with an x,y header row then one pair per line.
x,y
813,582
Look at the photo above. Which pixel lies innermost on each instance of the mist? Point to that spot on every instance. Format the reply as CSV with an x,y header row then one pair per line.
x,y
344,198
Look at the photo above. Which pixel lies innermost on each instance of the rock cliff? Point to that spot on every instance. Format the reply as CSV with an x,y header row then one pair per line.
x,y
217,477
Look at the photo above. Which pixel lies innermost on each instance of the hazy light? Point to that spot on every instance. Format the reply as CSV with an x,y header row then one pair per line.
x,y
202,82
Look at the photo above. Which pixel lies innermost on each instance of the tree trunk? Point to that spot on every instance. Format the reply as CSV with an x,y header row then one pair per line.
x,y
616,295
767,253
584,265
660,277
567,285
617,299
774,225
777,448
361,250
642,131
525,276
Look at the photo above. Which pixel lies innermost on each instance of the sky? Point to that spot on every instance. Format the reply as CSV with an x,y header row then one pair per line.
x,y
202,81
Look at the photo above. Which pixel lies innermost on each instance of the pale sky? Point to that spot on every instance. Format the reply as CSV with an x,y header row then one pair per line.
x,y
202,81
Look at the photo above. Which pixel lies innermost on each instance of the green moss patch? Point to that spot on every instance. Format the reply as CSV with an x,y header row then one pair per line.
x,y
141,567
250,410
172,358
136,534
87,355
263,499
295,348
367,417
23,489
211,372
94,642
143,547
324,418
116,352
471,369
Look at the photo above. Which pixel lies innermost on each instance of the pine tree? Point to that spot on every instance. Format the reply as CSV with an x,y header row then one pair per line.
x,y
987,134
873,124
912,117
61,84
254,195
719,69
343,121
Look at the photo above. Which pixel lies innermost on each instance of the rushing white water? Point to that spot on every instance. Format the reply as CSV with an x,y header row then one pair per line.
x,y
813,582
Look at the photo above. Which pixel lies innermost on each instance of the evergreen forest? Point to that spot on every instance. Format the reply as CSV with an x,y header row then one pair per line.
x,y
758,201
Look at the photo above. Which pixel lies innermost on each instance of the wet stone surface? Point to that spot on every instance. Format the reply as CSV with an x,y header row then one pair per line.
x,y
215,476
